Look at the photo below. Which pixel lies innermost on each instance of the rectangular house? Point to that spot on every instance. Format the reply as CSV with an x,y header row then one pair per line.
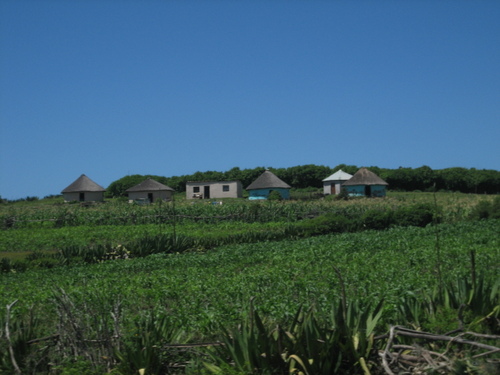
x,y
213,189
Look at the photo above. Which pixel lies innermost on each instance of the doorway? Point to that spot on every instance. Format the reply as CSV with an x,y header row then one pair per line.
x,y
368,191
150,197
82,197
206,192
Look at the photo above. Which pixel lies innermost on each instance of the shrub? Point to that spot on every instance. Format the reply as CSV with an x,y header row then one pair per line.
x,y
417,215
274,196
328,223
343,195
486,210
377,219
495,208
481,210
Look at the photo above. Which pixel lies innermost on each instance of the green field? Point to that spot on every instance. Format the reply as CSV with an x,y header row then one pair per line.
x,y
120,316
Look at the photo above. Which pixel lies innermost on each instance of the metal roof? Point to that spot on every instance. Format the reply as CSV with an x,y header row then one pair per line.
x,y
340,175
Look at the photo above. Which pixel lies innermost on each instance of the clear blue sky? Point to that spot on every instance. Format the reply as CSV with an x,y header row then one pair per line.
x,y
110,88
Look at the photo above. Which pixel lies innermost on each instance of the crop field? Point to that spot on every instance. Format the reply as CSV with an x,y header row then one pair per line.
x,y
282,284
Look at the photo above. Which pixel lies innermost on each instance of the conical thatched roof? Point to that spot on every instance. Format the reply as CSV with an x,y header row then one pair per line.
x,y
268,180
365,177
340,175
82,184
149,185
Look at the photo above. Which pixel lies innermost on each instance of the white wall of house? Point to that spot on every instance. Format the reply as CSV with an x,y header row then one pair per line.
x,y
88,196
332,187
215,189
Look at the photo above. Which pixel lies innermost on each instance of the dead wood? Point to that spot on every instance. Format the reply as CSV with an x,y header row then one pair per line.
x,y
416,358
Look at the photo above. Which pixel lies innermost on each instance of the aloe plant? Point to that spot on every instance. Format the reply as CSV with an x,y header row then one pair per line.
x,y
309,346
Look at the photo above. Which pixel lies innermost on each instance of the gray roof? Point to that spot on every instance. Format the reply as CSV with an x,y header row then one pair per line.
x,y
149,185
83,183
268,180
340,175
365,177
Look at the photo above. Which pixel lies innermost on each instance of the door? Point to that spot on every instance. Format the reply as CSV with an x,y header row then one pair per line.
x,y
82,197
150,197
206,192
368,191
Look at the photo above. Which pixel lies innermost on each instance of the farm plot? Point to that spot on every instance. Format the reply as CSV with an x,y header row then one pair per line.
x,y
198,293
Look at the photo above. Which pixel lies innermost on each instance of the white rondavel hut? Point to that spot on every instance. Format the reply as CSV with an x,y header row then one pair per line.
x,y
83,189
150,190
333,184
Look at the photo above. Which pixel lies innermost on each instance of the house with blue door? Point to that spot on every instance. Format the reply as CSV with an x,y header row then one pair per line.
x,y
365,183
266,183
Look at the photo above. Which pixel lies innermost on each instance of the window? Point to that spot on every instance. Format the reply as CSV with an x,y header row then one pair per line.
x,y
225,187
196,189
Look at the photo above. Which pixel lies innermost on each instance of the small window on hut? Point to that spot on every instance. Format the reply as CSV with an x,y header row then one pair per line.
x,y
225,187
196,189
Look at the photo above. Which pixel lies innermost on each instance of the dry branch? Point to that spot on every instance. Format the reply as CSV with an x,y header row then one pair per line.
x,y
397,357
7,336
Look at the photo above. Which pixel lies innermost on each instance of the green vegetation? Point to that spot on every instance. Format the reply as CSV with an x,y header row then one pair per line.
x,y
311,287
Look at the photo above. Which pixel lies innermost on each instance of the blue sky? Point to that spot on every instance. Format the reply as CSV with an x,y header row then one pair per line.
x,y
111,88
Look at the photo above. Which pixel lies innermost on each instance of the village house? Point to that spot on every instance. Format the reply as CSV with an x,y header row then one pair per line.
x,y
150,190
365,183
213,189
83,189
333,184
266,183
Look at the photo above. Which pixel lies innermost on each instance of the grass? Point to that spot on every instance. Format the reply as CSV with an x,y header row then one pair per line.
x,y
196,296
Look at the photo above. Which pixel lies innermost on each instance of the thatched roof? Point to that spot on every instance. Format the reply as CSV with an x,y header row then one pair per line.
x,y
149,185
268,180
82,184
340,175
364,177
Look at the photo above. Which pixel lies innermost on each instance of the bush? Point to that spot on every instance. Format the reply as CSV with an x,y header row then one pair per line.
x,y
486,210
418,215
274,196
328,223
495,208
481,210
377,219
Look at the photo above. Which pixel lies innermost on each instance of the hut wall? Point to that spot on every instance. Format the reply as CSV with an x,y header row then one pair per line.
x,y
327,187
359,190
332,187
163,195
378,190
88,196
264,193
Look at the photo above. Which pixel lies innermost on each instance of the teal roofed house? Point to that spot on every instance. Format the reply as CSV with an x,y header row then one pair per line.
x,y
266,183
365,183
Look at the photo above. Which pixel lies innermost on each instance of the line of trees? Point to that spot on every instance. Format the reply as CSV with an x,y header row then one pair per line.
x,y
479,181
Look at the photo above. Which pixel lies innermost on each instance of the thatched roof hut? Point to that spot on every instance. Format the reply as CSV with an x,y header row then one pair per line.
x,y
83,189
265,183
366,183
151,190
